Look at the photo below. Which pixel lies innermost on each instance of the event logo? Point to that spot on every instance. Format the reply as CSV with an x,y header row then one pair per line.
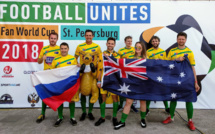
x,y
6,99
7,70
29,72
9,84
33,98
195,41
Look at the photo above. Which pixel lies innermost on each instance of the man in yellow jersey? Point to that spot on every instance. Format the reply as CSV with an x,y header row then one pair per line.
x,y
178,54
111,43
87,47
64,60
127,52
47,54
159,54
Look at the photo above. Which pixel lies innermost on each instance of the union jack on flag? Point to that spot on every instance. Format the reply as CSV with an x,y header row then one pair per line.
x,y
156,80
132,68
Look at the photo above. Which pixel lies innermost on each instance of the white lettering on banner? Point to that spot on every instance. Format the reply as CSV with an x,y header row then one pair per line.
x,y
58,13
105,12
36,10
96,12
25,10
115,12
143,12
67,13
46,11
14,9
132,12
76,14
2,10
123,11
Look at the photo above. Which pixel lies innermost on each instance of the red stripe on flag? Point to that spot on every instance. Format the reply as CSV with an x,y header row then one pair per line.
x,y
55,101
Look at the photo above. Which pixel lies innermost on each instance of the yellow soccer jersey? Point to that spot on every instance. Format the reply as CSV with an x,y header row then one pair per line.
x,y
61,61
127,53
51,53
84,48
176,53
156,54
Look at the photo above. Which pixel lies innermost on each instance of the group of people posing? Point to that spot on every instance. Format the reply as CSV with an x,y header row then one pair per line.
x,y
54,56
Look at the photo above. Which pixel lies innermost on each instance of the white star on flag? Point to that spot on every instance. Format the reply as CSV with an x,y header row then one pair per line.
x,y
160,79
173,95
171,66
124,89
179,83
182,74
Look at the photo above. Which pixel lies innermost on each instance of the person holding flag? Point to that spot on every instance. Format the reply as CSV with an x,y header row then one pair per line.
x,y
62,61
179,54
127,52
87,47
47,54
159,54
111,43
140,53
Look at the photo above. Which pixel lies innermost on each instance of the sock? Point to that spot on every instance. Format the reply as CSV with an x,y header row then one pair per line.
x,y
166,104
83,103
143,115
60,111
90,105
115,108
72,109
43,108
148,104
102,109
124,117
189,107
172,108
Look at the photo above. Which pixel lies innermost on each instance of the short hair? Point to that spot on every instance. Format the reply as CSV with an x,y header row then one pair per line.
x,y
155,37
111,38
182,34
88,30
64,44
127,37
53,33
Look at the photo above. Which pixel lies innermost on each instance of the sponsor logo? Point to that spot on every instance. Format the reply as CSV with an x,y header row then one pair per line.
x,y
68,62
93,50
84,49
161,54
33,98
28,72
49,60
56,52
185,54
6,99
7,70
6,84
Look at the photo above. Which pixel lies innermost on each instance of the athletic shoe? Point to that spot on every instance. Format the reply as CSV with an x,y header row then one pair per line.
x,y
134,109
40,118
143,123
73,121
119,109
167,110
119,125
191,125
100,121
58,122
114,120
147,111
90,116
83,116
168,120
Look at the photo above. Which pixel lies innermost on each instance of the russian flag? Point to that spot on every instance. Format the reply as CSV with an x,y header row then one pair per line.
x,y
57,85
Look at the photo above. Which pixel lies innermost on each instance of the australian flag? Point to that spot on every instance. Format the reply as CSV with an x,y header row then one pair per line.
x,y
148,79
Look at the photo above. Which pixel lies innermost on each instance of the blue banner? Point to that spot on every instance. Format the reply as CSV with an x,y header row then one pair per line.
x,y
118,13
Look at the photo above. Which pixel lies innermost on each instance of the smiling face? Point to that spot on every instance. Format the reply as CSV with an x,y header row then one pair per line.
x,y
110,45
64,50
89,37
128,43
155,43
138,48
53,39
181,40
